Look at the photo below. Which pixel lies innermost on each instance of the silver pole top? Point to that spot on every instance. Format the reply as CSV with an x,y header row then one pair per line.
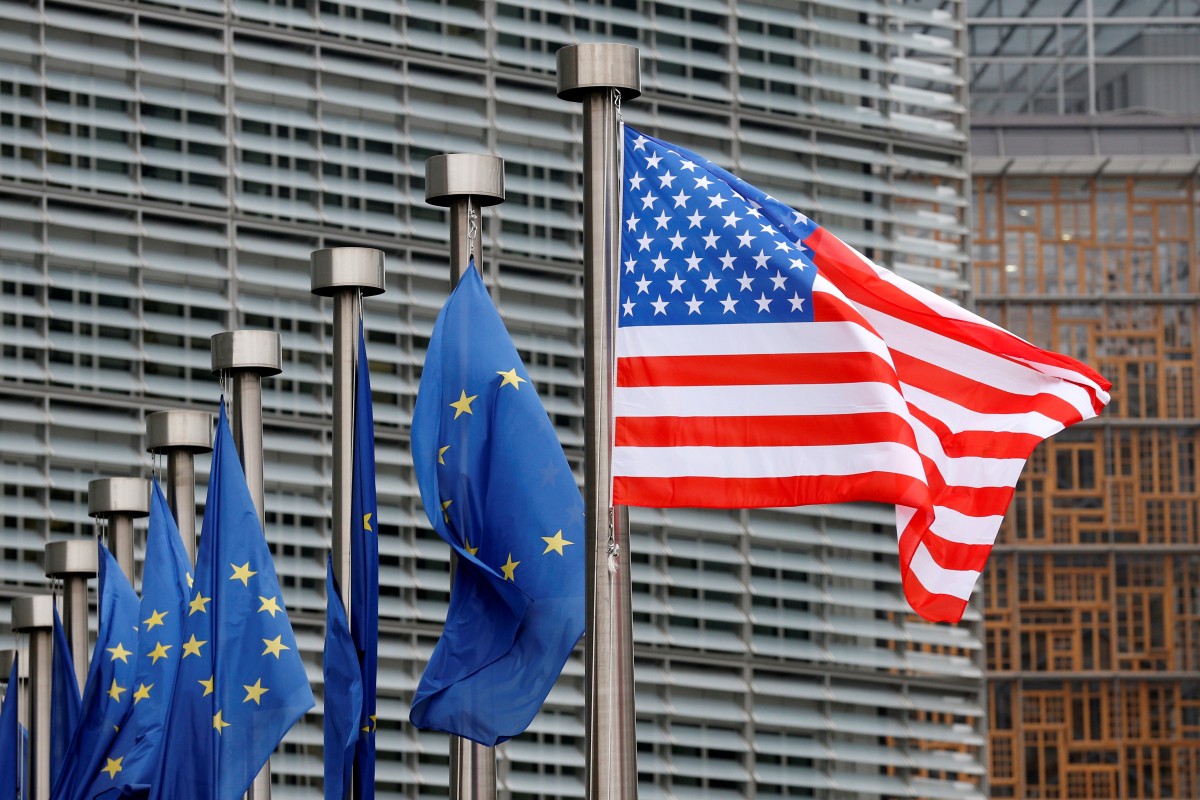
x,y
109,496
336,268
179,429
76,557
455,175
259,351
583,68
32,612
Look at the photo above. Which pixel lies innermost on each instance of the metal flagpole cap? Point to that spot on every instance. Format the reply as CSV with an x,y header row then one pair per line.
x,y
454,175
32,612
259,351
179,429
583,68
109,496
76,557
337,268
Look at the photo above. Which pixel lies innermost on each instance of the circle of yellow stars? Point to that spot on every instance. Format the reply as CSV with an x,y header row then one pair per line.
x,y
461,406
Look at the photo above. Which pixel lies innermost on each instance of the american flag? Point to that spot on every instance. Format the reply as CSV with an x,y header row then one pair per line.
x,y
763,362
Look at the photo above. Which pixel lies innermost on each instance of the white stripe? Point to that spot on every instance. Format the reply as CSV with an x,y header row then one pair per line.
x,y
750,339
939,580
935,303
959,419
954,526
975,471
766,462
1070,375
757,401
975,363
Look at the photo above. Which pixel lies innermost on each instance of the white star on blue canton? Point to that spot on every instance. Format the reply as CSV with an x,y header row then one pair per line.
x,y
739,229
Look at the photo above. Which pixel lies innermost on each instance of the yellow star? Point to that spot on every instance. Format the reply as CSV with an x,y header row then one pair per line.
x,y
372,727
274,646
254,692
208,686
367,521
442,452
445,509
463,404
511,378
115,691
270,604
142,693
192,647
374,722
113,766
199,603
190,580
155,619
555,543
242,573
158,652
119,652
219,724
510,569
469,549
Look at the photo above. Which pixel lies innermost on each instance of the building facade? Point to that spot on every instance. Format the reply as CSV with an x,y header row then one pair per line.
x,y
165,170
1085,150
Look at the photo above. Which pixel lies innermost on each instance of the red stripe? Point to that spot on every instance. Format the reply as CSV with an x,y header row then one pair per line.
x,y
980,397
772,431
933,607
705,492
754,370
979,444
861,285
974,501
956,555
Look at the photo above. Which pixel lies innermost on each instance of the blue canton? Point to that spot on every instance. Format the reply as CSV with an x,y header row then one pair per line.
x,y
696,250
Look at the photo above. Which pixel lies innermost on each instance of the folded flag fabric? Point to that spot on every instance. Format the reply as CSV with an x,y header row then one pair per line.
x,y
364,570
763,362
497,488
343,693
109,691
245,686
10,740
133,752
65,701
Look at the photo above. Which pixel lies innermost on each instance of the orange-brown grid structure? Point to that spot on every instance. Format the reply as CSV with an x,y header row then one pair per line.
x,y
1093,591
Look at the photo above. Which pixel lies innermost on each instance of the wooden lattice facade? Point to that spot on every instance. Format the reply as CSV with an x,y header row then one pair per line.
x,y
1093,591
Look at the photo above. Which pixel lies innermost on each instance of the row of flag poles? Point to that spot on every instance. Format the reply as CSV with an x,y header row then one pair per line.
x,y
736,355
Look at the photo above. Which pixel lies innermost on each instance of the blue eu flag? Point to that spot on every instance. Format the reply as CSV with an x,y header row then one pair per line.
x,y
130,755
343,693
109,692
245,686
10,740
64,700
364,566
496,487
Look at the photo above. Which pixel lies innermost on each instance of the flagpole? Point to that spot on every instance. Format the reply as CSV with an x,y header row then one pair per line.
x,y
347,274
74,562
465,182
120,501
248,357
181,435
34,615
601,76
